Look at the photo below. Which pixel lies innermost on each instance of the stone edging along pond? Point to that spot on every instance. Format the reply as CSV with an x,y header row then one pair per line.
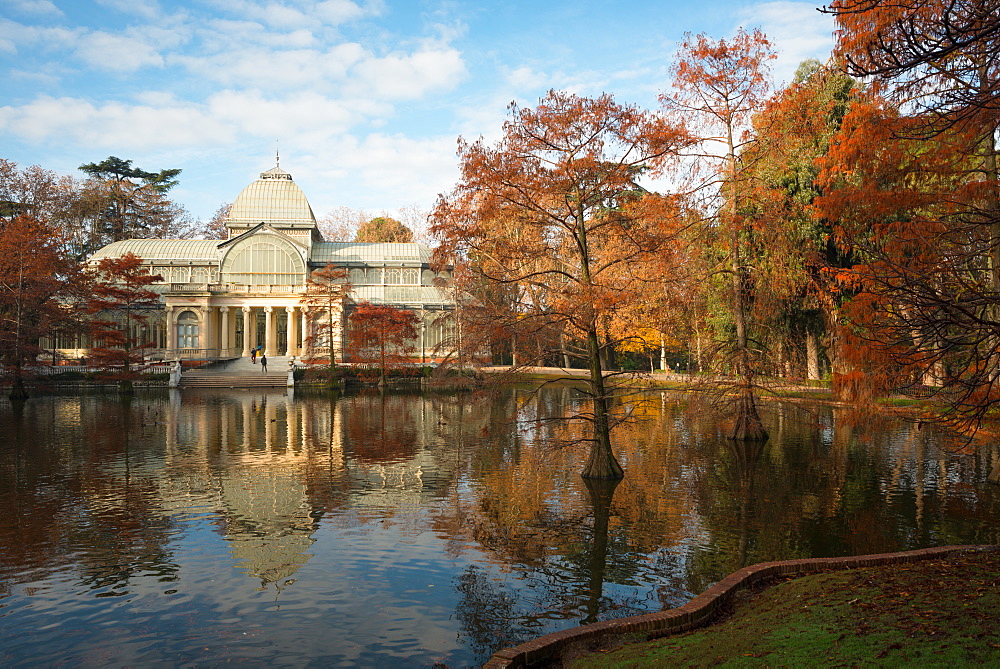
x,y
699,610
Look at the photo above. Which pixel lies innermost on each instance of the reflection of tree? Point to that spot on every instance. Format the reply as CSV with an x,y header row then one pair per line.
x,y
125,528
33,530
489,613
80,474
378,428
557,530
601,494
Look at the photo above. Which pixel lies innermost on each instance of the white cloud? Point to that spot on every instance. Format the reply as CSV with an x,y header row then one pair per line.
x,y
38,37
117,52
335,12
112,124
280,70
408,76
381,171
304,113
797,32
147,9
34,7
524,78
279,16
344,68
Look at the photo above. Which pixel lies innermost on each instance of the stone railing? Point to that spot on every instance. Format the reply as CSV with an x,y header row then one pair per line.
x,y
234,288
198,353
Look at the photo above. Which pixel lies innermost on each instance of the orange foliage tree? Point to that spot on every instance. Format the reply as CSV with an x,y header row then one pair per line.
x,y
121,302
37,284
383,335
548,226
718,86
326,289
794,256
383,229
931,200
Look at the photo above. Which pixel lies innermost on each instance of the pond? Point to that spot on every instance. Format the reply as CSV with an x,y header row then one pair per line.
x,y
412,529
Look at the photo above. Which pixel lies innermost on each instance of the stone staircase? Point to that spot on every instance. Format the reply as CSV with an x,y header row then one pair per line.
x,y
239,373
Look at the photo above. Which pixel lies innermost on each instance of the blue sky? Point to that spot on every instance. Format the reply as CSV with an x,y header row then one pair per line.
x,y
364,99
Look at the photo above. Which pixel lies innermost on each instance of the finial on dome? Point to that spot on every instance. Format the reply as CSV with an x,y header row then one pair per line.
x,y
277,158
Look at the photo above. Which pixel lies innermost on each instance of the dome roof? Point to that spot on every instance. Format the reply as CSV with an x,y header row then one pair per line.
x,y
274,199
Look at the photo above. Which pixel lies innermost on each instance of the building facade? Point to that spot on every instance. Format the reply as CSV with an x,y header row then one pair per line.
x,y
220,299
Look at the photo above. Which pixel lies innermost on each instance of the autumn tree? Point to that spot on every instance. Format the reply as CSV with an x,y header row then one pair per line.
x,y
554,210
326,289
933,274
795,255
56,199
384,229
120,303
382,334
341,224
37,285
130,202
31,191
718,86
216,228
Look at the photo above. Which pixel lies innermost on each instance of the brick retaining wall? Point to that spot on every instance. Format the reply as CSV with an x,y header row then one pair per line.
x,y
699,610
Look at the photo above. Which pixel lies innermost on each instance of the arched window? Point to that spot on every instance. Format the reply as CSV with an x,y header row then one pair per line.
x,y
375,276
357,276
201,275
263,261
392,276
410,277
187,330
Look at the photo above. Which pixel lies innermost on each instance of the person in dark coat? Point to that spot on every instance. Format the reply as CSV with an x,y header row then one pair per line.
x,y
263,363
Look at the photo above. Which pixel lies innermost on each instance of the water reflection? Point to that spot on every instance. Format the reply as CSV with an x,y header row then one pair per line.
x,y
360,530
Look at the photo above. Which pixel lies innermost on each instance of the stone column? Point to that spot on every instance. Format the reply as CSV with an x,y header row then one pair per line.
x,y
248,331
306,351
293,331
206,338
171,331
224,340
339,341
270,336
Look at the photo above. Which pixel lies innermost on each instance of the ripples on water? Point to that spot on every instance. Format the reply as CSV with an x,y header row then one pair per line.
x,y
407,529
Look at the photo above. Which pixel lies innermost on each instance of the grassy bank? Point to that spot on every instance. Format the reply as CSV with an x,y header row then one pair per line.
x,y
933,613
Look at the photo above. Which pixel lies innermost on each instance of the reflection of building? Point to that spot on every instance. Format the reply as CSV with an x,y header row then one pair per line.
x,y
269,467
220,299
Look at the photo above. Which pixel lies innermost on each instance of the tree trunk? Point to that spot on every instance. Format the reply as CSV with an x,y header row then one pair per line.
x,y
812,357
663,353
602,463
748,426
18,392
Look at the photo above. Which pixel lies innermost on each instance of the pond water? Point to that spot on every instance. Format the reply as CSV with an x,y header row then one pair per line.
x,y
199,528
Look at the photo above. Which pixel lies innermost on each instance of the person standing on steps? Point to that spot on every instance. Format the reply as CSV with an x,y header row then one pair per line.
x,y
263,363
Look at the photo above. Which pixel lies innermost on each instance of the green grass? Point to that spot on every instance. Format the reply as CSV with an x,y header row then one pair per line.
x,y
940,613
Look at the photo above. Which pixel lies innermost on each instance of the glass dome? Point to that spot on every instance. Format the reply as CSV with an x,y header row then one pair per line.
x,y
273,199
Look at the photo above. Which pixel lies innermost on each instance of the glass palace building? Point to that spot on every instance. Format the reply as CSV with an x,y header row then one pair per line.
x,y
219,299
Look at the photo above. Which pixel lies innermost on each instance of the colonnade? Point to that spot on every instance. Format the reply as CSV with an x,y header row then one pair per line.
x,y
218,328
